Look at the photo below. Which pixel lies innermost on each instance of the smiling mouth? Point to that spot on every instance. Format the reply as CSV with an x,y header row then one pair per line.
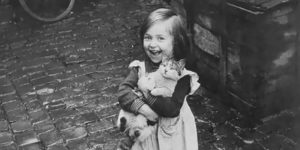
x,y
155,52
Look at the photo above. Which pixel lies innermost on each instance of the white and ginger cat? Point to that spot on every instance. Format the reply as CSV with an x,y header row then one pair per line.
x,y
162,82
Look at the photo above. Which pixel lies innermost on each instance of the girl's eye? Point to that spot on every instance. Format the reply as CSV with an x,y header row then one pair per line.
x,y
161,38
146,37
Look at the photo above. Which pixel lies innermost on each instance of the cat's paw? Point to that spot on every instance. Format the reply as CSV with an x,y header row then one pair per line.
x,y
145,133
165,92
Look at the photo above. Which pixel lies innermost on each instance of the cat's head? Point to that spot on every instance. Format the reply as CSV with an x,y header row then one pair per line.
x,y
172,69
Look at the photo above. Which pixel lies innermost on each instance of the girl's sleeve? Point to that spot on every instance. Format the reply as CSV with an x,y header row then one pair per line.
x,y
170,106
128,100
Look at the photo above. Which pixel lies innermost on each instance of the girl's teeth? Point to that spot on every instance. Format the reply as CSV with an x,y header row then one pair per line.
x,y
154,52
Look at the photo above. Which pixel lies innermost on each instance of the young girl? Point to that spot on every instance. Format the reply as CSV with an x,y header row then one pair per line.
x,y
163,34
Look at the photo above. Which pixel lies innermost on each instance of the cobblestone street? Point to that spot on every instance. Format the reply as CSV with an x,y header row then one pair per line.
x,y
58,84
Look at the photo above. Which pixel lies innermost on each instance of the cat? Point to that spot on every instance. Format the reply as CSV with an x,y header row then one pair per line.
x,y
162,82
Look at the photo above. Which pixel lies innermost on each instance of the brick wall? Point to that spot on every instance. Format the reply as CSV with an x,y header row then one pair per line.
x,y
246,50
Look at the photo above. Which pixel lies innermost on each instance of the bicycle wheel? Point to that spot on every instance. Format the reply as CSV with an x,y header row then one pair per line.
x,y
47,10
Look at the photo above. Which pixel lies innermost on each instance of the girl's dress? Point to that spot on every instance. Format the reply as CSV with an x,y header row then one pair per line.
x,y
178,133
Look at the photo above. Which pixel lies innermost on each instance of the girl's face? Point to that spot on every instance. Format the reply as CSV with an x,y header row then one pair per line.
x,y
158,41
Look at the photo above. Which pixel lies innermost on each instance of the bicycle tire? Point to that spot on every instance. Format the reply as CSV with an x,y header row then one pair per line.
x,y
44,19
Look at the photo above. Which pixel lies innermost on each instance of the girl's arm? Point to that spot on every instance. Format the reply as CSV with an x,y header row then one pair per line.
x,y
147,111
170,106
128,100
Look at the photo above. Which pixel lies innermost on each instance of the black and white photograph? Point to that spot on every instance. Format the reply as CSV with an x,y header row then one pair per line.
x,y
149,75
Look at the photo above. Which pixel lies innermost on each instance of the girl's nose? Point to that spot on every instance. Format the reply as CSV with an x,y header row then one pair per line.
x,y
152,44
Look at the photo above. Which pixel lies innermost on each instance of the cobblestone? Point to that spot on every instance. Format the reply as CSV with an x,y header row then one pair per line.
x,y
3,126
6,138
37,116
42,80
26,138
51,106
78,144
51,137
57,147
34,105
11,146
8,98
51,98
86,118
65,123
62,113
34,146
74,133
43,126
12,105
7,90
99,126
21,126
17,115
21,81
24,89
4,82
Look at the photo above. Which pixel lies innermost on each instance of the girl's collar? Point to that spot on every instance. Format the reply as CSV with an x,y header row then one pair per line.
x,y
151,66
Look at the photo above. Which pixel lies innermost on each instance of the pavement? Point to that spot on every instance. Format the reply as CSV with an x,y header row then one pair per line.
x,y
58,84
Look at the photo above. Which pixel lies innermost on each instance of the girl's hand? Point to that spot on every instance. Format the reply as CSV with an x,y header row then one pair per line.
x,y
148,113
138,92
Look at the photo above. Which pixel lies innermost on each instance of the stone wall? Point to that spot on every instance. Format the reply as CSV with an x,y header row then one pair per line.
x,y
246,50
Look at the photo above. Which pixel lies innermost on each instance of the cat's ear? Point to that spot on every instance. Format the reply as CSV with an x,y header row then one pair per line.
x,y
164,59
181,63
